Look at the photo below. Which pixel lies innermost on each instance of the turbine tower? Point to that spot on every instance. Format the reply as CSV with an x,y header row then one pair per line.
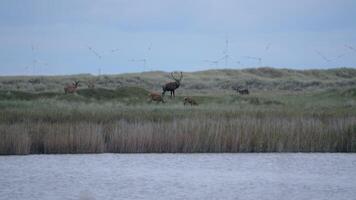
x,y
33,58
91,49
36,63
226,52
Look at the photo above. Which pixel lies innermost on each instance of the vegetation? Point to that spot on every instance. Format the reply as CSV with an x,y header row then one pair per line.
x,y
288,118
202,82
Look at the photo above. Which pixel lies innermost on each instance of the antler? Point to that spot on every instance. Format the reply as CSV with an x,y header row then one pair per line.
x,y
172,76
177,79
181,76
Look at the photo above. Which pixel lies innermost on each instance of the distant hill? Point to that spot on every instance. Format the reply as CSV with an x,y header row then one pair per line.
x,y
208,81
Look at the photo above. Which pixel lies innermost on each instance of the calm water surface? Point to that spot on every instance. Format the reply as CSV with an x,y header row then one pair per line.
x,y
179,176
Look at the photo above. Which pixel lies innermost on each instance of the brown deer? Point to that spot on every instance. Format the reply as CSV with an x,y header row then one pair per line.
x,y
91,84
71,88
172,86
190,100
155,97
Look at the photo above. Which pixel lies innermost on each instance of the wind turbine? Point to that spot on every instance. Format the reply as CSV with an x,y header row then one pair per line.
x,y
94,52
258,59
114,50
326,59
350,48
239,63
35,63
225,56
213,62
143,60
331,59
226,52
91,49
148,53
268,46
33,58
140,60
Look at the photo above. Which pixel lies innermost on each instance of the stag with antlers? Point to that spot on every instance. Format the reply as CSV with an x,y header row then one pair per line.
x,y
172,86
71,88
155,97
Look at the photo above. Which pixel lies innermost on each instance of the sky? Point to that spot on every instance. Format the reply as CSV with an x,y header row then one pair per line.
x,y
119,36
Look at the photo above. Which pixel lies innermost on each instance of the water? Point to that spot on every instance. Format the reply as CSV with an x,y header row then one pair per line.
x,y
179,176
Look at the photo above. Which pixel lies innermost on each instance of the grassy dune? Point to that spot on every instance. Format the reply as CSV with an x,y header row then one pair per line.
x,y
202,82
120,119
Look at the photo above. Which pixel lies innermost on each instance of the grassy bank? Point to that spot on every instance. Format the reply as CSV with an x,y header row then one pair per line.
x,y
122,120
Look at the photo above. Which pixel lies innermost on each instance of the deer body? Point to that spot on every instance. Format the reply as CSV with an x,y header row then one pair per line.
x,y
172,86
156,97
241,90
71,88
190,100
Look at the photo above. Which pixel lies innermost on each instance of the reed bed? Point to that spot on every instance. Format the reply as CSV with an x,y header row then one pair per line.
x,y
182,135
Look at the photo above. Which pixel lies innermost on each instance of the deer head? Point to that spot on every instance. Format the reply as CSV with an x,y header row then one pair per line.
x,y
75,84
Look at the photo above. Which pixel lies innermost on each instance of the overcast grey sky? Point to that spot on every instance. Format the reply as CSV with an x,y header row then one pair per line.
x,y
83,36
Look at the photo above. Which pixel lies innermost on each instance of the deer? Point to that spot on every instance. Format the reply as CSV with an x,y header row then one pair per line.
x,y
244,91
71,88
190,100
91,84
240,90
172,86
155,97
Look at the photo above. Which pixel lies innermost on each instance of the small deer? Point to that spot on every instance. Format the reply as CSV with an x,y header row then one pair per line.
x,y
172,86
240,90
71,88
155,97
91,84
190,100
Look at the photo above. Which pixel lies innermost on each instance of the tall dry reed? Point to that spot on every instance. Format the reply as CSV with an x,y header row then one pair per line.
x,y
205,134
